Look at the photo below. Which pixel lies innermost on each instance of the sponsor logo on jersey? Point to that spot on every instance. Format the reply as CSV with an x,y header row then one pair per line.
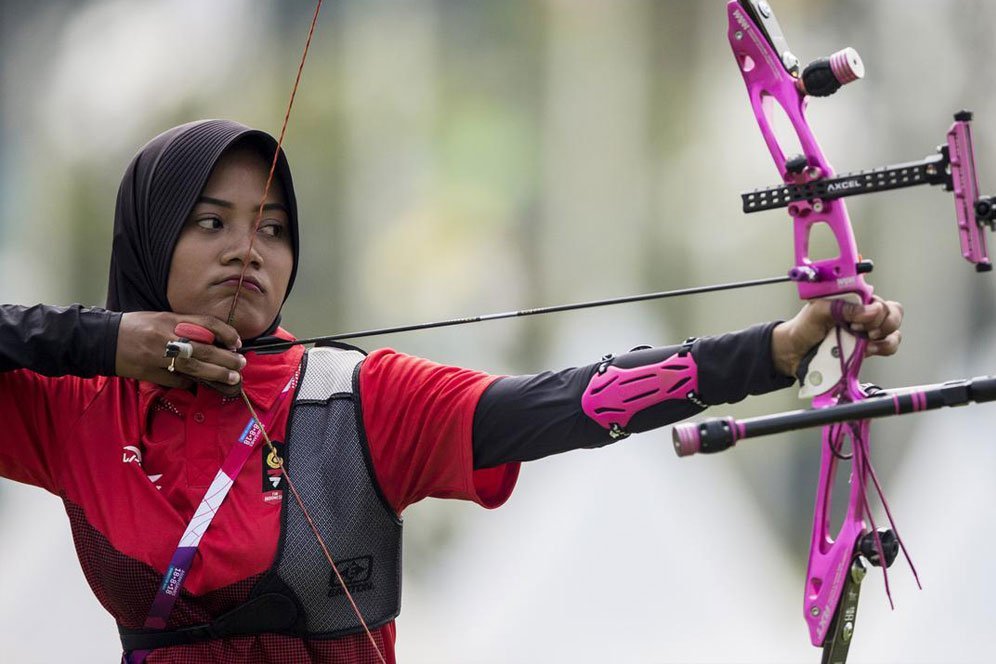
x,y
131,454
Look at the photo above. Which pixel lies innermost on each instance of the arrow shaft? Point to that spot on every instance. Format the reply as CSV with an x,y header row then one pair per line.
x,y
266,346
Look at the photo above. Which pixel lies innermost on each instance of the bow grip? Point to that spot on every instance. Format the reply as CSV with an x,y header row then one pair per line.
x,y
707,437
824,367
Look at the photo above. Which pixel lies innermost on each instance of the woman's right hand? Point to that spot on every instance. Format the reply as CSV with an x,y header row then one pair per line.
x,y
141,347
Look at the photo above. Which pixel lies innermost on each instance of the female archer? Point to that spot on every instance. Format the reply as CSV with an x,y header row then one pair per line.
x,y
203,479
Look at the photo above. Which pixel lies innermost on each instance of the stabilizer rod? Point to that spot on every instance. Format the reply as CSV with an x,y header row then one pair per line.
x,y
721,433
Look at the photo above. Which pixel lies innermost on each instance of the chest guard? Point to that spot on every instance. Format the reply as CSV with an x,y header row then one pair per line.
x,y
329,462
330,465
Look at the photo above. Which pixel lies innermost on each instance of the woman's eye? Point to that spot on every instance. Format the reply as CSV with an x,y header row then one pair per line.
x,y
209,223
272,229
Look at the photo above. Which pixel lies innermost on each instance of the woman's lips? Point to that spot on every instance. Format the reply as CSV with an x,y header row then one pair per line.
x,y
247,284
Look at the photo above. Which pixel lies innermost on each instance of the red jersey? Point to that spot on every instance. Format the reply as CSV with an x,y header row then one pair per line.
x,y
132,460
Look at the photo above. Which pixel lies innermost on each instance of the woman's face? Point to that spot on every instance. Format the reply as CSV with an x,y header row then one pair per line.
x,y
214,242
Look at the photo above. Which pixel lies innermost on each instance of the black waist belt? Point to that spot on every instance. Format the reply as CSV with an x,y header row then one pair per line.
x,y
271,612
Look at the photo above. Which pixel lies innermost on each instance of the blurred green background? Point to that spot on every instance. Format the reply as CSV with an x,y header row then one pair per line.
x,y
454,157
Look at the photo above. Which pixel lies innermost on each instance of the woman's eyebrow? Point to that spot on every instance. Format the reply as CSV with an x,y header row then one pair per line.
x,y
226,204
276,206
214,201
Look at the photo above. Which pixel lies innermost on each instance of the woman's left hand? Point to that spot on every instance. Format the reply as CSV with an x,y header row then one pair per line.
x,y
879,321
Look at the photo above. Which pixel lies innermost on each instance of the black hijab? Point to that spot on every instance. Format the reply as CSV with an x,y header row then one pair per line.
x,y
158,192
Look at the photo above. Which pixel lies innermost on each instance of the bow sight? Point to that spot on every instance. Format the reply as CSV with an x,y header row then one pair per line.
x,y
807,187
953,166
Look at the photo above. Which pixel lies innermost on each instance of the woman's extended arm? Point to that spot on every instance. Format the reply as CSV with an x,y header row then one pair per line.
x,y
522,418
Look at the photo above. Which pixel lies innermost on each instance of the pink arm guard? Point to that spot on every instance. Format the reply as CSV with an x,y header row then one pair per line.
x,y
615,395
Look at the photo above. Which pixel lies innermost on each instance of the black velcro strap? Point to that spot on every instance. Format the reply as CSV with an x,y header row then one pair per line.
x,y
271,612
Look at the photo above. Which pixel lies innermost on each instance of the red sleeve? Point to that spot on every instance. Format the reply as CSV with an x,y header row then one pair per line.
x,y
34,409
419,419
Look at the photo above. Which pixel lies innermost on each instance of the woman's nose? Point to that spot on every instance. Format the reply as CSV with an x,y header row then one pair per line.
x,y
242,247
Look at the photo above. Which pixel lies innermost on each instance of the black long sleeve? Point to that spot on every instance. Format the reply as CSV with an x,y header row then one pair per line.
x,y
58,341
522,418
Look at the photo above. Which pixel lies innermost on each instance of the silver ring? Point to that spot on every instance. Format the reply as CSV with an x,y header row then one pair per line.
x,y
179,348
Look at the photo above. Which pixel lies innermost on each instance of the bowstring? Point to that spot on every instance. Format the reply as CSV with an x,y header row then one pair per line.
x,y
231,319
273,164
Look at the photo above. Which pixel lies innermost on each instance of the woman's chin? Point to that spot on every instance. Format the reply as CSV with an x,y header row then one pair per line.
x,y
250,329
248,322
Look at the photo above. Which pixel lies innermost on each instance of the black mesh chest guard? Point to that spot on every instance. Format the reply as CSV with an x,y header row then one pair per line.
x,y
328,459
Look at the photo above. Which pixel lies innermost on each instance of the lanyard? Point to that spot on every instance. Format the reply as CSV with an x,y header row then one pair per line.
x,y
183,557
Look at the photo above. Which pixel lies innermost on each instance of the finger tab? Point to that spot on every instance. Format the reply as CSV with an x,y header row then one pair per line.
x,y
194,333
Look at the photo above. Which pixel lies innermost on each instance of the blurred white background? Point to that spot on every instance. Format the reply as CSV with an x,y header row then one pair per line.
x,y
457,157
